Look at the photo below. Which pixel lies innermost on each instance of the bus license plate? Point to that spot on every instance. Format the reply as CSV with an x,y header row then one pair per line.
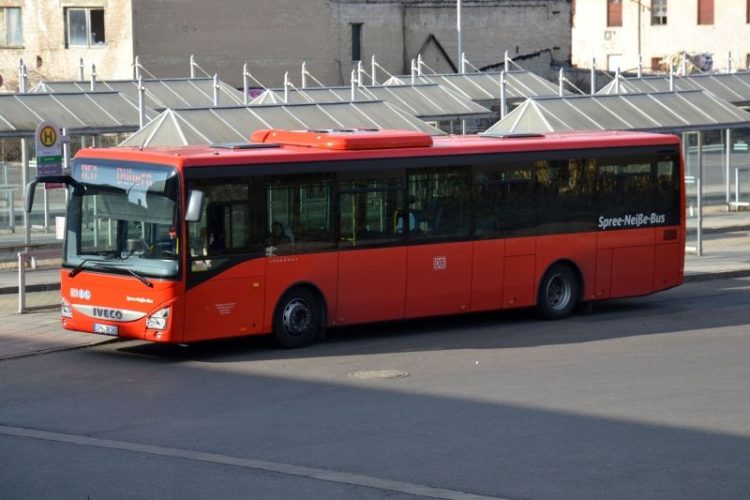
x,y
105,329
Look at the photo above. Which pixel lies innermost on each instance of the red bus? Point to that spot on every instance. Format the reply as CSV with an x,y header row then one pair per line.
x,y
298,231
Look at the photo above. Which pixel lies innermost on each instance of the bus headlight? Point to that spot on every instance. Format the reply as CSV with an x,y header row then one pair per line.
x,y
158,320
65,310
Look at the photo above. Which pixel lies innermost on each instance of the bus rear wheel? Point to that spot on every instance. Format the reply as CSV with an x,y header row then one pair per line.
x,y
558,292
297,320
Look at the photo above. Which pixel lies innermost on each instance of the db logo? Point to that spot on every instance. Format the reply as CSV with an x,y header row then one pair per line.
x,y
440,263
84,294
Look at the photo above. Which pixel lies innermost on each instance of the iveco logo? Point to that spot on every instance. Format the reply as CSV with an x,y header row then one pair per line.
x,y
114,314
107,313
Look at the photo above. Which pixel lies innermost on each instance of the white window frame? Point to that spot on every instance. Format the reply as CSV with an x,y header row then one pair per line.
x,y
658,12
89,41
6,42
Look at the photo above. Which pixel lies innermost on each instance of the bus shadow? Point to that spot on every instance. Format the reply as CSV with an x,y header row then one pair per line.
x,y
672,312
507,434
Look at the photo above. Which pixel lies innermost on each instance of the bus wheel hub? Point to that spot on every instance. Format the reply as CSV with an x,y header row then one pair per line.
x,y
297,317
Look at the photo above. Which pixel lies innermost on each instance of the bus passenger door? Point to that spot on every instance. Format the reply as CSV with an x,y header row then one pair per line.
x,y
372,285
372,255
519,281
225,265
487,275
439,263
226,305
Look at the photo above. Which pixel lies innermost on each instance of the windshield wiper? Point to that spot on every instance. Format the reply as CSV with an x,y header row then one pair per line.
x,y
73,272
141,278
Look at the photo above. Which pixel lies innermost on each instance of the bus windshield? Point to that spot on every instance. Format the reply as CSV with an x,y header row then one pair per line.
x,y
124,218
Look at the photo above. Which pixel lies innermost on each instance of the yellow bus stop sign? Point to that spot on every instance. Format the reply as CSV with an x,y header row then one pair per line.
x,y
48,151
48,141
48,136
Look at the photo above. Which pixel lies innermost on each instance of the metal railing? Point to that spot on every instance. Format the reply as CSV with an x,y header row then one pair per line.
x,y
28,260
696,212
737,203
8,190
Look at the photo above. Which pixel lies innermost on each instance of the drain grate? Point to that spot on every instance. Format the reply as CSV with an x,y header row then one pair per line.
x,y
379,374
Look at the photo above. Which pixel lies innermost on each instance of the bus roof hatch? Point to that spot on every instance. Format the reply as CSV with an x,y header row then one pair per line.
x,y
344,139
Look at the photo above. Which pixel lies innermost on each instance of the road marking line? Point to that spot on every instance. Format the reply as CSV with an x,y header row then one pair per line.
x,y
248,463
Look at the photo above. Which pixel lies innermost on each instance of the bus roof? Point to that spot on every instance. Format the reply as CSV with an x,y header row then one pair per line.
x,y
301,146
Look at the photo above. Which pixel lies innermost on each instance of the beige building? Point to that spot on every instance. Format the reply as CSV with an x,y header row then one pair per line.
x,y
273,37
617,32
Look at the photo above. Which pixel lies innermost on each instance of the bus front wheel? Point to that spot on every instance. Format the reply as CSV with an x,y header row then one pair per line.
x,y
297,319
558,292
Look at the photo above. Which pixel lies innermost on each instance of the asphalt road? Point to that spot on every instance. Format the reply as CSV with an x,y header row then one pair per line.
x,y
640,398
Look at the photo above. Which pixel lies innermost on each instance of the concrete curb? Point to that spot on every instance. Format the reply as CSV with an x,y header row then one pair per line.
x,y
51,350
36,287
717,275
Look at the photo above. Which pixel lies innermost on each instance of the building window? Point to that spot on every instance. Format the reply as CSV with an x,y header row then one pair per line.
x,y
658,12
614,12
356,41
705,11
84,27
11,32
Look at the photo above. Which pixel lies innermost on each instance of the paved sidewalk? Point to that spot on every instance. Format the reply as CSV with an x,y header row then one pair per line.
x,y
726,253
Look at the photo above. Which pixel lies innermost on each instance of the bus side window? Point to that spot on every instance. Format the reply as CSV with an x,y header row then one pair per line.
x,y
215,229
441,202
303,205
225,225
370,211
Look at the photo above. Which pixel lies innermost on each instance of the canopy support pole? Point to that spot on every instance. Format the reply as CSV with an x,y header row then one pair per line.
x,y
216,90
24,182
699,230
22,77
617,81
502,95
245,86
141,104
728,161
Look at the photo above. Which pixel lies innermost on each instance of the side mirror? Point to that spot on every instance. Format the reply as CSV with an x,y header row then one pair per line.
x,y
31,186
195,204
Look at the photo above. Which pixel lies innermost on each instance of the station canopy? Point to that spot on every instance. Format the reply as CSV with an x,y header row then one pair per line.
x,y
159,94
732,87
431,102
79,113
479,87
235,124
656,112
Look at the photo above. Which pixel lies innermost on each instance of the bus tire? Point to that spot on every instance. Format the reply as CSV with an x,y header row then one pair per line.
x,y
558,292
297,320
